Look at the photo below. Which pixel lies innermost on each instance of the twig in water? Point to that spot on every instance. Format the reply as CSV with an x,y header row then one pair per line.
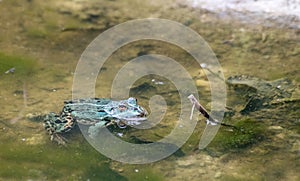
x,y
202,110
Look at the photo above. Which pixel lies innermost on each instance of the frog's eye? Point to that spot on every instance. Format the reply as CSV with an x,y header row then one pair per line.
x,y
122,108
132,101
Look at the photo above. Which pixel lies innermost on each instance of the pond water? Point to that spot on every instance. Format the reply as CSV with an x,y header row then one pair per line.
x,y
41,43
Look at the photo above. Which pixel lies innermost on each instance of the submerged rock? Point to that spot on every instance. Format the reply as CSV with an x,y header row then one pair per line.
x,y
260,93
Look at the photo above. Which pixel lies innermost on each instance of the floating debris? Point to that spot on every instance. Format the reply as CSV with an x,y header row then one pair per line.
x,y
12,70
120,134
157,82
203,65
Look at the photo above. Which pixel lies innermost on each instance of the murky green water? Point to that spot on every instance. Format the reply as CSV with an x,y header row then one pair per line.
x,y
43,41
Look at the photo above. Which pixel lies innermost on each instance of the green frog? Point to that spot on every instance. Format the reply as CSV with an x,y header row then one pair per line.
x,y
261,94
96,113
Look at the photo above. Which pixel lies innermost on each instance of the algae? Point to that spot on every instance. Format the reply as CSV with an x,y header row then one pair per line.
x,y
145,174
37,32
24,66
247,132
101,172
21,161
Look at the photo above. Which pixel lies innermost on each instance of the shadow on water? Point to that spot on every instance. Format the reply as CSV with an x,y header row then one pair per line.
x,y
23,161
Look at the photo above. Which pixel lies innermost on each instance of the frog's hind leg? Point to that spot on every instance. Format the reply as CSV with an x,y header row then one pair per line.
x,y
50,123
56,125
93,131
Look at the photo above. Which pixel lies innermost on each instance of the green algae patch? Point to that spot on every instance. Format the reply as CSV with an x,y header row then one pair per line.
x,y
19,66
146,174
43,162
101,172
137,172
37,33
246,133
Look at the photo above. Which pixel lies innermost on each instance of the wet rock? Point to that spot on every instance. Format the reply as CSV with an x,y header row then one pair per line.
x,y
185,163
202,83
218,175
280,136
202,164
202,171
276,128
296,147
36,139
120,170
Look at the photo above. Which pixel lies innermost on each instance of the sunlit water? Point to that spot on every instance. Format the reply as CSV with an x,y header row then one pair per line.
x,y
274,7
285,12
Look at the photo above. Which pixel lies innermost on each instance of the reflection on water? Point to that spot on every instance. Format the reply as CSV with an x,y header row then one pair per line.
x,y
44,45
275,7
280,12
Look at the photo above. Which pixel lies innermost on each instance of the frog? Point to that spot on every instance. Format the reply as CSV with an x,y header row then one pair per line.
x,y
96,113
260,93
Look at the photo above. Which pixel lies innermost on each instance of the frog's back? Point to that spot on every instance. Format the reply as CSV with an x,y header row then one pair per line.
x,y
96,101
89,109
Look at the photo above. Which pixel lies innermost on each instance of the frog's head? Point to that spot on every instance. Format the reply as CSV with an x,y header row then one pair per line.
x,y
130,112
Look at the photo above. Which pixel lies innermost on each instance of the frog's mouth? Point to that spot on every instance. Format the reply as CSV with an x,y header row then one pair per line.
x,y
131,121
135,119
